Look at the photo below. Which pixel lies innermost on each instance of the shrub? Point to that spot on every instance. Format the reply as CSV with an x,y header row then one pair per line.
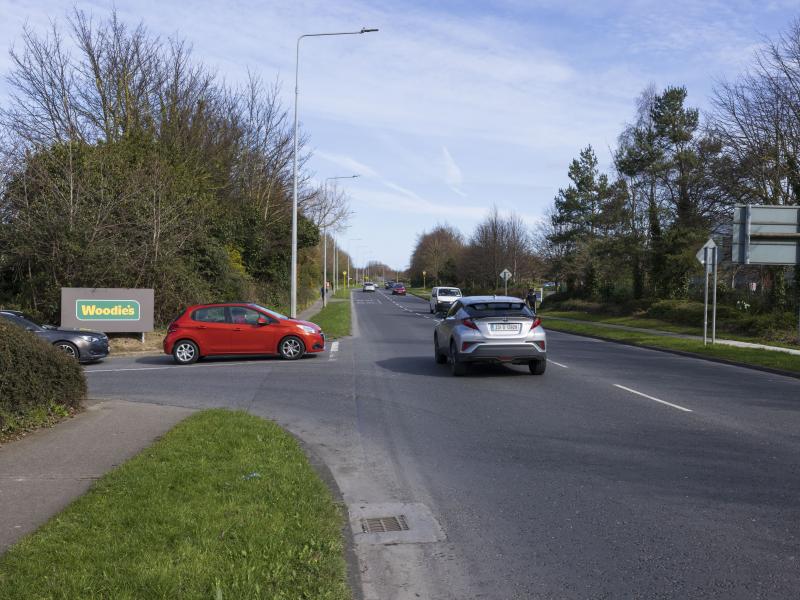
x,y
37,381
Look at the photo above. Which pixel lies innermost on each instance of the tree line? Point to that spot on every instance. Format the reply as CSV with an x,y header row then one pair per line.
x,y
677,173
125,162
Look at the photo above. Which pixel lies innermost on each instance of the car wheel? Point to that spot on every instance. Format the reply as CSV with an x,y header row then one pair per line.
x,y
537,367
185,352
292,348
440,358
457,368
69,349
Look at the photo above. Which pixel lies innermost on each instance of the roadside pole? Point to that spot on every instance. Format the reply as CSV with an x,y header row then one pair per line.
x,y
705,304
715,253
324,268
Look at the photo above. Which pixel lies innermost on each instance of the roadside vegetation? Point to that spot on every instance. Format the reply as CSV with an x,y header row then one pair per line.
x,y
140,167
224,506
39,384
336,318
750,356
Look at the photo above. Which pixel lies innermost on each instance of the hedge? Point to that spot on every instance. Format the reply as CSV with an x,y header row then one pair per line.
x,y
37,381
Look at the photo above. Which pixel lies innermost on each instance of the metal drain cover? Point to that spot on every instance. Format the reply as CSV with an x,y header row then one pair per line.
x,y
384,524
394,523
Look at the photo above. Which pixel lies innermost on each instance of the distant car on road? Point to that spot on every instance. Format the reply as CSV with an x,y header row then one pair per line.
x,y
388,285
442,298
239,328
369,286
83,346
499,329
398,289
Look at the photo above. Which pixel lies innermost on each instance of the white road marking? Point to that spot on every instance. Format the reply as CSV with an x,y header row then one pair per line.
x,y
334,349
557,363
627,389
230,364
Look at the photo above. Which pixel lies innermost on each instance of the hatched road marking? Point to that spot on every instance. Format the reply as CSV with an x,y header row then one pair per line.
x,y
627,389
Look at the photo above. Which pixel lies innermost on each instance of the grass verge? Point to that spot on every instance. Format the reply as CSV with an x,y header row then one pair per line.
x,y
748,356
224,506
335,318
660,325
424,293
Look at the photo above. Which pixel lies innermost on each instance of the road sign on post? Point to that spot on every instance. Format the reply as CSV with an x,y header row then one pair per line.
x,y
708,257
767,235
505,275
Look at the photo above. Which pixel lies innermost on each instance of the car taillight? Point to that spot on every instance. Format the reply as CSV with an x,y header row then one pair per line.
x,y
470,323
173,327
536,322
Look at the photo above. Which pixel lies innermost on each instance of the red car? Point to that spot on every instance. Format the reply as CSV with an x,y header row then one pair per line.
x,y
398,289
223,329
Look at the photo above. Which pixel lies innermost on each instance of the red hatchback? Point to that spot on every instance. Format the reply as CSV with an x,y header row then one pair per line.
x,y
223,329
398,289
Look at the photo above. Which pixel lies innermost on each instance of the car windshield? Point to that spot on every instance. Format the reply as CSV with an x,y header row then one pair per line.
x,y
498,309
398,285
448,292
21,322
271,313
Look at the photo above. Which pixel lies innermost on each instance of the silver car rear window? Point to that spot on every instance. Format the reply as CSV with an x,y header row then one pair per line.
x,y
498,309
448,292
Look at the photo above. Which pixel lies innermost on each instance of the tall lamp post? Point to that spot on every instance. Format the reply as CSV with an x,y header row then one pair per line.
x,y
325,246
347,281
293,302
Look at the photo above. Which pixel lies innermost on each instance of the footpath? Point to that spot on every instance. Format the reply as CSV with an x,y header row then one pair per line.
x,y
658,332
46,470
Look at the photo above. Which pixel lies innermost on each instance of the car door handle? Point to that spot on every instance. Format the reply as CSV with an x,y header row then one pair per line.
x,y
202,327
237,329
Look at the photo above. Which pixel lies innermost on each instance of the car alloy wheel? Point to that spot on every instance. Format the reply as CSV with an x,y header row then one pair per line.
x,y
185,352
457,368
537,367
292,348
68,349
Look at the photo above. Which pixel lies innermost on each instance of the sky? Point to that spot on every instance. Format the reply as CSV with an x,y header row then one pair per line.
x,y
451,107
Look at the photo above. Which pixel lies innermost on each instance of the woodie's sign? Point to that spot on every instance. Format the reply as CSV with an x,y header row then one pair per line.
x,y
107,309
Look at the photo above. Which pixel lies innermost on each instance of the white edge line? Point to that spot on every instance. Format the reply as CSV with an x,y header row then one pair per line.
x,y
627,389
558,364
230,364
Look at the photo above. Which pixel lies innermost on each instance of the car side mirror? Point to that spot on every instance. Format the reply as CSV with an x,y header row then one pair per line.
x,y
262,321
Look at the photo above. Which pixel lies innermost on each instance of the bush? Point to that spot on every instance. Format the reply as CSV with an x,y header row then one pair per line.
x,y
37,381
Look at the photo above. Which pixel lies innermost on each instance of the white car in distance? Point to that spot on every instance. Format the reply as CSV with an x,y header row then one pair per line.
x,y
369,286
442,298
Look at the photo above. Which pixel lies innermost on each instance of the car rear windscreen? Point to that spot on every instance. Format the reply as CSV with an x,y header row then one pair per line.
x,y
448,292
498,309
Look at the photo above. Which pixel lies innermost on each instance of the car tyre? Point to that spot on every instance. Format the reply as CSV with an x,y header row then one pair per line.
x,y
457,368
537,367
69,349
440,358
185,352
291,348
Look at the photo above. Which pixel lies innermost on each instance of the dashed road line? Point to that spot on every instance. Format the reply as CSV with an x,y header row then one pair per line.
x,y
332,355
558,364
627,389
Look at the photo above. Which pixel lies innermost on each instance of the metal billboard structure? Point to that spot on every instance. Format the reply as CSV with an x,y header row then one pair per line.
x,y
767,235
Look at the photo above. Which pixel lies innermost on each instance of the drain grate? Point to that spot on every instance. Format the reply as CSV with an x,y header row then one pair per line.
x,y
384,524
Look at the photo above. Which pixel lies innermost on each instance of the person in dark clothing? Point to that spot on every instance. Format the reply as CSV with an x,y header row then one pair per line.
x,y
530,299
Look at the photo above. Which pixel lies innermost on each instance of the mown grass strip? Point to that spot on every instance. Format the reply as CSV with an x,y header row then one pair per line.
x,y
748,356
335,318
224,506
424,293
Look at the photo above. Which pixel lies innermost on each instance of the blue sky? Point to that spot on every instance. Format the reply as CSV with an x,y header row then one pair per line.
x,y
453,106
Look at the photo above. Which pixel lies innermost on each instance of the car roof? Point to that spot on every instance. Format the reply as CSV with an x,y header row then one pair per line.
x,y
477,299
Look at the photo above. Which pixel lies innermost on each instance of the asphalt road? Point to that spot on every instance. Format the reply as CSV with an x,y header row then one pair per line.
x,y
620,473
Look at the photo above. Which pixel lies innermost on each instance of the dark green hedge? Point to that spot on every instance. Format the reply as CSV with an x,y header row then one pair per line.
x,y
36,379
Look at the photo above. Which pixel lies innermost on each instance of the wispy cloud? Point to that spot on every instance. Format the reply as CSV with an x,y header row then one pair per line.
x,y
452,172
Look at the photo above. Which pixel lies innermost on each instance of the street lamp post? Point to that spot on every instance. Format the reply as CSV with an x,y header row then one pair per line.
x,y
325,245
293,302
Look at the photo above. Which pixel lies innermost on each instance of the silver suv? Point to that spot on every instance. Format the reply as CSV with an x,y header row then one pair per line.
x,y
499,329
442,298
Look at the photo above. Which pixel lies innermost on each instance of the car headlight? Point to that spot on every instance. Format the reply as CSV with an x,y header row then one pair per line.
x,y
307,328
88,338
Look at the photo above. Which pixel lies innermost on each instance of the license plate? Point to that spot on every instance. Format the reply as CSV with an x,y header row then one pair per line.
x,y
505,327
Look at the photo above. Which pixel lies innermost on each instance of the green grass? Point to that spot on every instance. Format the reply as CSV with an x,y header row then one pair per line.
x,y
335,317
660,325
185,519
424,293
762,358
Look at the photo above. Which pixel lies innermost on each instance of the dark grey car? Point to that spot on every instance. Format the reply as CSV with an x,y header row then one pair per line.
x,y
84,346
